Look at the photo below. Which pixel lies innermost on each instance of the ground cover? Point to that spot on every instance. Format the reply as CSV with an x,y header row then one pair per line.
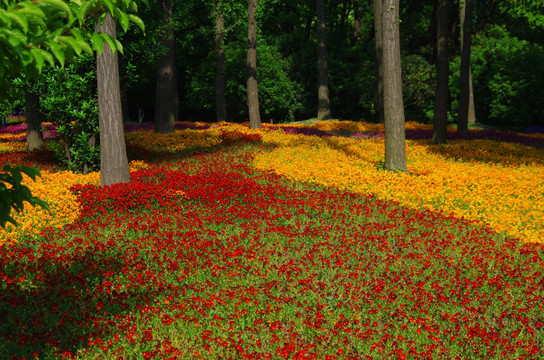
x,y
209,253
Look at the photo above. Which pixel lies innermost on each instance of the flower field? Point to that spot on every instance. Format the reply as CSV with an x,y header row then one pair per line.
x,y
284,243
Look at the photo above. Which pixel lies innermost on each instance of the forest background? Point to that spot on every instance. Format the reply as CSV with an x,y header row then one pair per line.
x,y
507,60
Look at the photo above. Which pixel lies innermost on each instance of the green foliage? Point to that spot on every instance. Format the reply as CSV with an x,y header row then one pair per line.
x,y
418,84
508,74
13,194
279,96
70,101
35,33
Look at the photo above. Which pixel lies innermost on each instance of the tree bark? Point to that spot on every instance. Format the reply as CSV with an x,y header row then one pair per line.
x,y
323,101
379,55
113,154
34,135
220,102
251,67
395,138
442,74
166,94
466,114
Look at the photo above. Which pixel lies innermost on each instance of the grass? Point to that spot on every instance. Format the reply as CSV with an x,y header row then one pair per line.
x,y
204,255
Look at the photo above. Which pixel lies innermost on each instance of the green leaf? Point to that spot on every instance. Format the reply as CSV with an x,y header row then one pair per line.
x,y
59,4
17,18
97,42
137,21
58,51
123,19
110,5
31,172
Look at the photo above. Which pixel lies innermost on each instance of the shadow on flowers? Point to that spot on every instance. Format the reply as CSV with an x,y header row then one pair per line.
x,y
54,301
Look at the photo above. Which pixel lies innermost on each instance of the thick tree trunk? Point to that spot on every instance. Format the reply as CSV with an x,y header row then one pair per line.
x,y
113,154
252,88
395,138
34,135
166,94
379,55
442,74
323,101
466,97
220,102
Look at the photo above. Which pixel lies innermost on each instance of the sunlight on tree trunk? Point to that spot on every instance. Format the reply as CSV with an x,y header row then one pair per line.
x,y
113,154
395,138
34,135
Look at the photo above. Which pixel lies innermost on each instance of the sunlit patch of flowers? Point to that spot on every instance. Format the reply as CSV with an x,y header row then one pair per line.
x,y
12,146
54,188
179,140
501,184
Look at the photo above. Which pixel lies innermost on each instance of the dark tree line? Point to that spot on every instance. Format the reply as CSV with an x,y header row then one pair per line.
x,y
381,60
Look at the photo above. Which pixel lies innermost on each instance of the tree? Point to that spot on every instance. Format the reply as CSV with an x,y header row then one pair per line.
x,y
251,67
166,95
34,135
442,73
113,154
379,55
395,138
323,101
466,114
220,102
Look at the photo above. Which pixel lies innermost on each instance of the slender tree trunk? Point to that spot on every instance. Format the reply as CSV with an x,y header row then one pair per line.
x,y
379,55
323,101
220,102
113,154
395,138
356,22
252,88
34,135
166,95
442,74
466,97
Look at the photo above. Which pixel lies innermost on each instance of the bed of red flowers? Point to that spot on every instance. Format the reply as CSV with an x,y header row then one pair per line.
x,y
202,256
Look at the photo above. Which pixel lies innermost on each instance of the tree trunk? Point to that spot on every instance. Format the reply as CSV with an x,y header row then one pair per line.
x,y
395,138
466,114
34,135
356,22
166,94
252,88
323,101
220,102
442,74
379,55
113,154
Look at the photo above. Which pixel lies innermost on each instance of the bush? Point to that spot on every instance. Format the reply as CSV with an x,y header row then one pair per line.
x,y
508,74
70,102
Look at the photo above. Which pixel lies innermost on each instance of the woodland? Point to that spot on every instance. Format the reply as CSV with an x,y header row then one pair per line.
x,y
271,179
